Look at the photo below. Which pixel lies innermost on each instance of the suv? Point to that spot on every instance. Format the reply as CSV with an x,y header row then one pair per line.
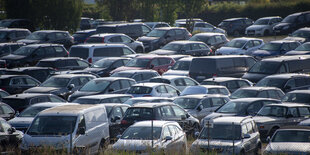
x,y
29,55
13,34
95,52
133,30
64,64
235,26
213,40
232,66
8,48
228,135
159,37
160,111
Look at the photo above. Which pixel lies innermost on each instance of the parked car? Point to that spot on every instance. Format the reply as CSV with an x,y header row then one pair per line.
x,y
289,140
49,36
231,66
158,63
184,22
153,89
106,85
200,106
228,135
104,66
39,73
6,112
79,37
302,35
235,26
303,49
17,23
160,111
62,85
297,96
95,52
274,116
133,30
194,48
13,34
23,120
137,100
86,23
64,63
85,124
286,82
116,38
263,26
29,55
102,99
304,122
275,48
19,102
179,82
230,83
138,75
154,25
180,67
205,89
10,137
260,92
213,40
207,27
3,94
292,22
15,84
8,48
167,136
159,37
283,64
240,46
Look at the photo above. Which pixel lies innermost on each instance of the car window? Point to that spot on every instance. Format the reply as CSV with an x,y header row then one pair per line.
x,y
179,82
211,41
166,132
55,99
249,44
293,46
273,94
290,83
254,108
243,84
6,109
76,82
232,85
179,32
145,30
249,127
164,61
217,102
195,46
125,84
189,82
285,47
244,129
257,43
206,103
186,48
84,80
172,130
137,77
293,112
125,39
147,76
17,81
166,111
126,51
161,89
51,36
30,82
40,52
59,49
117,111
178,111
115,86
71,63
171,90
82,63
223,91
304,111
171,33
263,94
155,62
49,51
115,39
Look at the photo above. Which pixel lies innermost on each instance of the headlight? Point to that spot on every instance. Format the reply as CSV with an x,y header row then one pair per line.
x,y
285,27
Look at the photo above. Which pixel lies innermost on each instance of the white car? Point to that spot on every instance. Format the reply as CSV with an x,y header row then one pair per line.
x,y
166,136
153,90
240,46
179,82
263,26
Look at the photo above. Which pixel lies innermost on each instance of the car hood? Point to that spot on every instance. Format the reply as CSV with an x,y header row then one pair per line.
x,y
134,145
264,119
147,39
163,52
254,77
227,50
297,53
299,39
288,148
177,72
21,121
27,41
41,89
256,27
13,57
45,141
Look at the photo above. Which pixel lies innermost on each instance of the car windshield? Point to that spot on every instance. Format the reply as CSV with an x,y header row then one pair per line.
x,y
190,90
232,107
50,125
221,131
244,93
275,111
25,51
32,111
95,86
3,34
120,74
86,101
142,133
261,22
181,65
37,36
55,82
187,103
303,47
173,47
236,43
139,90
297,98
291,136
301,33
5,23
289,19
103,63
138,63
156,33
265,67
271,82
271,47
139,113
199,38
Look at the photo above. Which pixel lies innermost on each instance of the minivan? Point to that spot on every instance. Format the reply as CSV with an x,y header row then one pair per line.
x,y
232,66
133,30
95,52
87,125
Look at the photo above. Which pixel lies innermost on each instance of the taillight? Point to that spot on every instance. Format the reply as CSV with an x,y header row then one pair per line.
x,y
214,75
103,40
72,38
124,122
90,60
86,40
190,35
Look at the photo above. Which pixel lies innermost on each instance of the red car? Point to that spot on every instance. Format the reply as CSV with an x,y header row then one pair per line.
x,y
155,62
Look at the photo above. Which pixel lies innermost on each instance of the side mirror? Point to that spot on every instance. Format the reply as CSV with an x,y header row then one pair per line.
x,y
178,92
199,108
268,139
246,136
11,130
118,136
71,86
115,119
196,134
183,117
81,131
168,138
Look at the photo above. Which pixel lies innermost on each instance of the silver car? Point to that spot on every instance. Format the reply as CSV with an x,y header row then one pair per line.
x,y
166,136
240,46
263,26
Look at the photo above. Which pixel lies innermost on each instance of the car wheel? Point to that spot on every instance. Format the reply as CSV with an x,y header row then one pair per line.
x,y
266,33
236,34
139,49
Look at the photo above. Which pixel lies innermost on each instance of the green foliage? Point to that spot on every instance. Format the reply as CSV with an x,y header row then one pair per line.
x,y
96,11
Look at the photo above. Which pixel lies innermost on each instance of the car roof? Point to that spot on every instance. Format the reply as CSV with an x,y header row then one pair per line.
x,y
170,77
237,120
28,68
103,96
150,98
208,34
287,58
96,45
12,75
71,75
138,71
300,91
86,31
70,109
223,79
283,41
61,58
108,34
52,104
288,75
246,38
152,105
42,45
13,29
271,17
112,78
26,95
184,42
149,84
200,96
168,28
305,29
222,56
50,31
249,100
151,56
290,105
11,43
208,86
233,19
156,123
259,88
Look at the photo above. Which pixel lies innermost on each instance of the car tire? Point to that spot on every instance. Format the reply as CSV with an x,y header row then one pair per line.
x,y
266,33
139,50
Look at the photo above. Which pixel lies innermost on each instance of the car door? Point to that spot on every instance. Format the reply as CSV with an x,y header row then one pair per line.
x,y
172,92
246,141
127,41
167,145
115,116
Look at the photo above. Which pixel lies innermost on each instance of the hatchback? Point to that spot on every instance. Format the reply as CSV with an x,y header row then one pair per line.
x,y
39,73
181,67
80,36
263,26
102,99
263,92
230,83
179,82
13,34
205,89
213,40
207,27
153,89
15,84
240,46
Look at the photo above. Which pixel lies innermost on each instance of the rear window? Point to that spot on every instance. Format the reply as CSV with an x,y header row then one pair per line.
x,y
79,52
46,64
145,113
108,52
105,29
139,90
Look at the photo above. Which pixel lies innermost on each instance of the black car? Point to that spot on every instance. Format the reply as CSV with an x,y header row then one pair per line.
x,y
160,111
13,34
213,40
19,102
230,83
29,55
49,36
17,23
8,48
64,63
81,36
15,84
159,37
107,85
39,73
302,35
194,48
235,26
6,112
293,22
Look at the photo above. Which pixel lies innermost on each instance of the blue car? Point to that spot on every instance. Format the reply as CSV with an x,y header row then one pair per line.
x,y
275,48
